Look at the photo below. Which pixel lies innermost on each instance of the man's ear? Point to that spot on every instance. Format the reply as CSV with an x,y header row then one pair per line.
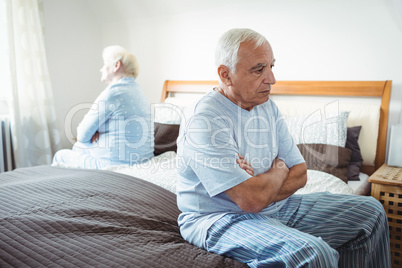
x,y
223,72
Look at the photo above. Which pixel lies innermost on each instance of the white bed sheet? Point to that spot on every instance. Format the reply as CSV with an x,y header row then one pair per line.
x,y
160,170
362,186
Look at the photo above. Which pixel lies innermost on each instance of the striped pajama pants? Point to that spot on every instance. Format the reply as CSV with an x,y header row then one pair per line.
x,y
314,230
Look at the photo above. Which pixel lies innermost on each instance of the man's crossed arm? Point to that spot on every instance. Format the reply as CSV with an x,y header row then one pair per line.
x,y
278,183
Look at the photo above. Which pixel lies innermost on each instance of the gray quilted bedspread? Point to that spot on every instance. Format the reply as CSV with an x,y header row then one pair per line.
x,y
57,217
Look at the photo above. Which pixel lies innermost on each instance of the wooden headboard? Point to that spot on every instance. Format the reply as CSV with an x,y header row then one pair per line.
x,y
380,89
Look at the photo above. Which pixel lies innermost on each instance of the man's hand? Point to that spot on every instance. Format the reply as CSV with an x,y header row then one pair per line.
x,y
95,137
258,192
245,165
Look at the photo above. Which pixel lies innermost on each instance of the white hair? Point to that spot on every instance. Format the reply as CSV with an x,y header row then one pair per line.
x,y
113,54
229,43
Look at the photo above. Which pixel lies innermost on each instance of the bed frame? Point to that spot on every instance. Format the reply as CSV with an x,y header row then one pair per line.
x,y
379,89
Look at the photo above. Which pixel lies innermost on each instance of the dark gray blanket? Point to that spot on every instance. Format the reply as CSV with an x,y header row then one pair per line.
x,y
68,217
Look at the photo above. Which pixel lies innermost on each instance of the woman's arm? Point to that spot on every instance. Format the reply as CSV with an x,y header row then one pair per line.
x,y
95,137
94,118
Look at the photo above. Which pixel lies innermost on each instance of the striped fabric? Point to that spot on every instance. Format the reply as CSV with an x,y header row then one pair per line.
x,y
315,230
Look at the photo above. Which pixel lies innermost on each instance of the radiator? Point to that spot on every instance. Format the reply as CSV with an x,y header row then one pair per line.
x,y
6,156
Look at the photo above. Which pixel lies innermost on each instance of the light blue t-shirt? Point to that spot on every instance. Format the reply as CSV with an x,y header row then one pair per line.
x,y
210,140
122,116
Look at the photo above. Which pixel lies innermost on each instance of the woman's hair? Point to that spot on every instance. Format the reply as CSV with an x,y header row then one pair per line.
x,y
112,54
229,43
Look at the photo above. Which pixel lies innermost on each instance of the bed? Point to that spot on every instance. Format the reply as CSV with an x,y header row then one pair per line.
x,y
126,215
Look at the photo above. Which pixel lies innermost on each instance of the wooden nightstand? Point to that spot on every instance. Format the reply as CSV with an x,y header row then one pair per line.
x,y
386,186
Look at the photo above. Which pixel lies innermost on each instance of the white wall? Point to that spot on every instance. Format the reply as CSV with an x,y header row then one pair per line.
x,y
74,43
312,40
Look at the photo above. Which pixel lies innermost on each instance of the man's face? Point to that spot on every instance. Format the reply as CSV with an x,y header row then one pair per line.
x,y
251,83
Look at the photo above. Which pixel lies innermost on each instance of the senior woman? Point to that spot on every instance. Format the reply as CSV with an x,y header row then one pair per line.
x,y
118,129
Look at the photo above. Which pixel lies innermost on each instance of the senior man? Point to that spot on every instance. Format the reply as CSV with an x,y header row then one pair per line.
x,y
239,169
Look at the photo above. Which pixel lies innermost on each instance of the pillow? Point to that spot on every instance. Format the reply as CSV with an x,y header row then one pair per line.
x,y
165,137
327,158
167,113
318,129
365,113
356,158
